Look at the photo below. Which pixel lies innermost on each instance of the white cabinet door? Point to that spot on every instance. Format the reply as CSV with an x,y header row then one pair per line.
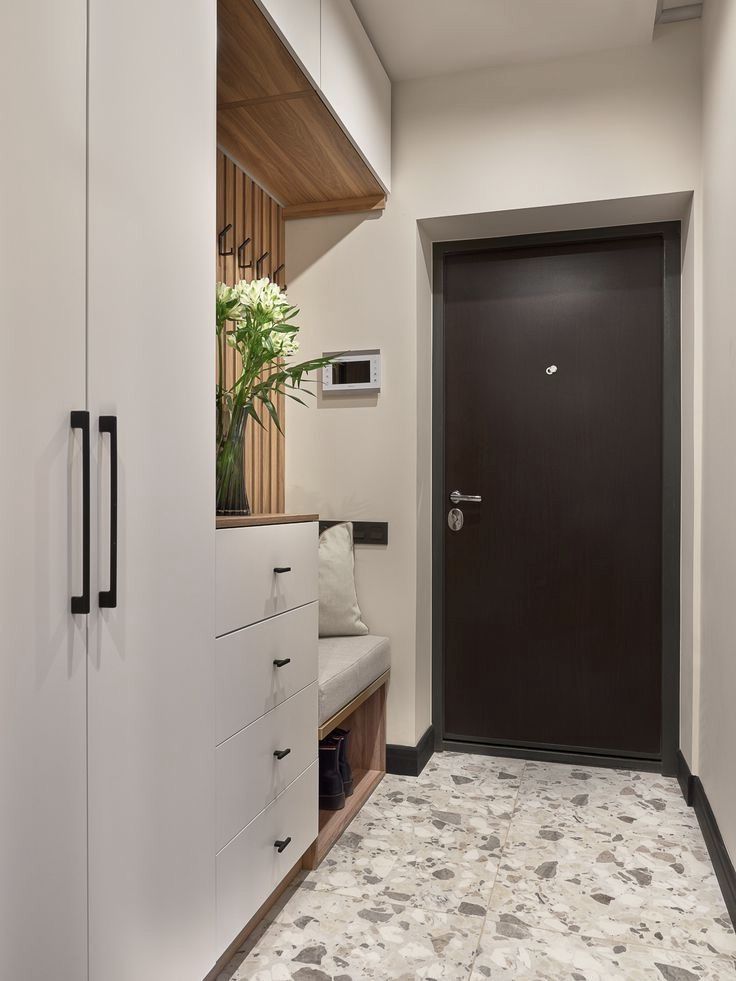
x,y
43,908
297,21
151,363
356,85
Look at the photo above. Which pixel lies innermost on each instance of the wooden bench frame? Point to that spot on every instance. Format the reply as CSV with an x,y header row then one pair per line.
x,y
365,716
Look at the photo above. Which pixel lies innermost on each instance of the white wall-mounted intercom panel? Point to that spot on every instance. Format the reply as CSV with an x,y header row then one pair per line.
x,y
354,371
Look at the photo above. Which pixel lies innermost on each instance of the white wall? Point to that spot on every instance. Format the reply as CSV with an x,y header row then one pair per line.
x,y
718,656
620,124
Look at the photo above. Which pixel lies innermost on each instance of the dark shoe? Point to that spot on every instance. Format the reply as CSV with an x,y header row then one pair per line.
x,y
331,792
343,735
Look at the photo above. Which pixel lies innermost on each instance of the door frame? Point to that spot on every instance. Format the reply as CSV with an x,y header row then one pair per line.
x,y
669,232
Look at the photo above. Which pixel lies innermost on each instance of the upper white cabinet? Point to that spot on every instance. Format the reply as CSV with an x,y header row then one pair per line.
x,y
298,23
355,85
331,45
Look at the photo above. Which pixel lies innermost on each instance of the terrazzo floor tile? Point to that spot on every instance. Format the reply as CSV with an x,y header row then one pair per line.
x,y
473,776
347,940
548,872
622,802
660,891
511,950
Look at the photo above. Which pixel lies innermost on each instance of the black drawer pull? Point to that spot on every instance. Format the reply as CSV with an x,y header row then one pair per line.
x,y
281,661
281,845
282,568
281,753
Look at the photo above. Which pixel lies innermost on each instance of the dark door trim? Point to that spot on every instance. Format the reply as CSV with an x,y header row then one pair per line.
x,y
670,235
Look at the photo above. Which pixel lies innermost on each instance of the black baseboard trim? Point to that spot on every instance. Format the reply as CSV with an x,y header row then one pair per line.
x,y
685,778
695,795
725,872
409,761
550,756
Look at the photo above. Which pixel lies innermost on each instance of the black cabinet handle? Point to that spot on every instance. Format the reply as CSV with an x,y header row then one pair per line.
x,y
281,569
281,845
109,597
281,661
281,753
80,420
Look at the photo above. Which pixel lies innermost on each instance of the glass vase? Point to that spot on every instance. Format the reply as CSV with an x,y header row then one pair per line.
x,y
232,498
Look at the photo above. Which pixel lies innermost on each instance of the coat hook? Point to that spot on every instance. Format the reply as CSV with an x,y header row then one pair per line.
x,y
260,261
221,241
241,250
277,270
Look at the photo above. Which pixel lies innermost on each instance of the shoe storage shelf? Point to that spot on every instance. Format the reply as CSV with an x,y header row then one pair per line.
x,y
365,717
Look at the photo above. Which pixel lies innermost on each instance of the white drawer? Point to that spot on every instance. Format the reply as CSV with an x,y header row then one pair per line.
x,y
250,867
249,776
248,588
249,684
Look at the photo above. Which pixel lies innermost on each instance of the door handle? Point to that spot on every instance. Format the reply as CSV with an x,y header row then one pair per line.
x,y
281,569
109,597
456,497
280,662
80,420
281,753
281,845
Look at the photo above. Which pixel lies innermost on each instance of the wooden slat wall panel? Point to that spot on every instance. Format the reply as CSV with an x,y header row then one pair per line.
x,y
255,215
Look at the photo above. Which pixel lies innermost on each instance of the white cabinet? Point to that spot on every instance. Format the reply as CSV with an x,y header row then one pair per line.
x,y
251,866
356,86
266,696
258,763
150,363
330,43
261,666
43,838
298,23
264,570
107,717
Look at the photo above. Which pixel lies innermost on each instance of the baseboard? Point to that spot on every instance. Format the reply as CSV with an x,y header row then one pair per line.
x,y
409,761
695,795
685,778
725,872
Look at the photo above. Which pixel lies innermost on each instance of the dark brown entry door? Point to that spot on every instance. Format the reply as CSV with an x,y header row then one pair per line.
x,y
553,416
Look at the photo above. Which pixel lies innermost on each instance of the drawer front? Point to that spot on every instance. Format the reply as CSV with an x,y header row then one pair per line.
x,y
249,684
248,588
249,776
250,867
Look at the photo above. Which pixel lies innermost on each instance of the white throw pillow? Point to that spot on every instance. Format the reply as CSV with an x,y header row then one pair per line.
x,y
339,613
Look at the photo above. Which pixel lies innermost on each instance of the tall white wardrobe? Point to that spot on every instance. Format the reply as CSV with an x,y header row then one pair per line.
x,y
107,177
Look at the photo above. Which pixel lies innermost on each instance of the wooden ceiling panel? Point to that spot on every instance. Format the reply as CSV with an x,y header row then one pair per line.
x,y
274,124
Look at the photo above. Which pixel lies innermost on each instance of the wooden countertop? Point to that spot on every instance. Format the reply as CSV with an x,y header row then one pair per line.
x,y
251,520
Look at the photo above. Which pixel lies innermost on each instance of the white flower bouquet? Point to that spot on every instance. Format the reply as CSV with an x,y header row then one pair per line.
x,y
256,320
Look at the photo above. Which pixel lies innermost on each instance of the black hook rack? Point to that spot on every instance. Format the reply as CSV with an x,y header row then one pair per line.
x,y
260,261
221,241
277,270
241,250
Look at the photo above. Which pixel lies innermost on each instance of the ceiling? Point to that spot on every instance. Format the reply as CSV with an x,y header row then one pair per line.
x,y
420,38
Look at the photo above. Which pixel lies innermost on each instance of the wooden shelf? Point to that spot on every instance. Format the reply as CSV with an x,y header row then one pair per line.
x,y
332,824
251,520
367,756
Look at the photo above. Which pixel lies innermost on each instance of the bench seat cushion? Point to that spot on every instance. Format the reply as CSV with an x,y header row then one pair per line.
x,y
347,665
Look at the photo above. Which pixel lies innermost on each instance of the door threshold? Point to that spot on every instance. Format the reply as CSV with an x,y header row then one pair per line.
x,y
552,756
